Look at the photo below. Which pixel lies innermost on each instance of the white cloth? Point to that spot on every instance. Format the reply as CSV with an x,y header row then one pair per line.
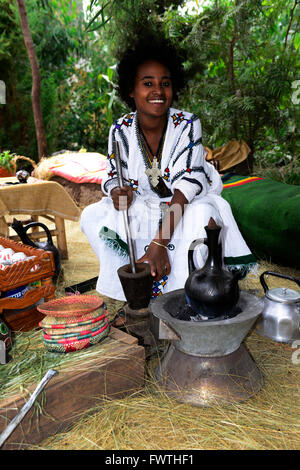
x,y
183,166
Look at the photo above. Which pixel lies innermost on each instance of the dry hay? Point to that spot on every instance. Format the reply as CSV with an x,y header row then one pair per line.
x,y
151,420
30,361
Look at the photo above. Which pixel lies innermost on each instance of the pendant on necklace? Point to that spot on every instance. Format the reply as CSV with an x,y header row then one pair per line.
x,y
154,173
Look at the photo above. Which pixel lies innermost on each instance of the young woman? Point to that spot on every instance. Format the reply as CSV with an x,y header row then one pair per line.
x,y
168,210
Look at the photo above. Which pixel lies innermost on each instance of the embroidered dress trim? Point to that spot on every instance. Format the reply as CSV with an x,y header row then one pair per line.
x,y
134,184
241,264
113,240
194,181
127,122
118,133
198,169
178,118
110,184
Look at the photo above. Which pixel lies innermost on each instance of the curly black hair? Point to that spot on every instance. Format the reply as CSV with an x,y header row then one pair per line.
x,y
149,48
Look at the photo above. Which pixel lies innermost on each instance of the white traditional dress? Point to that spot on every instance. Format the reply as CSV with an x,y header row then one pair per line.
x,y
183,167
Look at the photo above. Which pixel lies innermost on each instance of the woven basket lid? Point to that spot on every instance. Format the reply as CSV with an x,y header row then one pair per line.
x,y
71,306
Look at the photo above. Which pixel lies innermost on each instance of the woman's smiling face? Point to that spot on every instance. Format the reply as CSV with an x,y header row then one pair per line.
x,y
152,93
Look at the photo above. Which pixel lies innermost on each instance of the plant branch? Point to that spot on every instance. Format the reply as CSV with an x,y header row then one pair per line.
x,y
231,64
290,22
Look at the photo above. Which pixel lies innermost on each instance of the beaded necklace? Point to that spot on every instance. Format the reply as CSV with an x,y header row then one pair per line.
x,y
153,170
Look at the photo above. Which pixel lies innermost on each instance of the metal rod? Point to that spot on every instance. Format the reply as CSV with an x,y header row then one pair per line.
x,y
23,411
125,212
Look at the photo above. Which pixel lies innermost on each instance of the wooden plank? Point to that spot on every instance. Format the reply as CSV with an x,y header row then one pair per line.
x,y
23,319
122,336
35,235
117,374
61,237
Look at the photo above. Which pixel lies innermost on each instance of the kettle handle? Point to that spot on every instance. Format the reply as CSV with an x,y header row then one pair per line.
x,y
43,226
192,246
284,276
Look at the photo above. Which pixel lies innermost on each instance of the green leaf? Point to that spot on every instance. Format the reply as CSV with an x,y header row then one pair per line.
x,y
297,41
110,73
99,13
106,77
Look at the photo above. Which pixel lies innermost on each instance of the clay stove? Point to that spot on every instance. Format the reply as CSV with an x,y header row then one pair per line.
x,y
206,362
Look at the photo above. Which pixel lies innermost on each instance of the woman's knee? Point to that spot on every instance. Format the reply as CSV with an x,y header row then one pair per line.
x,y
88,216
200,213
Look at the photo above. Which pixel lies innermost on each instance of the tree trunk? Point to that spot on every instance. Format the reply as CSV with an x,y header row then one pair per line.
x,y
36,82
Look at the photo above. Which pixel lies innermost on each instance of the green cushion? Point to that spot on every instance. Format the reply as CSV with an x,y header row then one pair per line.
x,y
268,215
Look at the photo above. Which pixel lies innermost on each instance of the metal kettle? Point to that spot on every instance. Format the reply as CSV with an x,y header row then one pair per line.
x,y
280,319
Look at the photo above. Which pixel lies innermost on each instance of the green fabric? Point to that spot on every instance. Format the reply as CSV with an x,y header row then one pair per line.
x,y
268,215
237,260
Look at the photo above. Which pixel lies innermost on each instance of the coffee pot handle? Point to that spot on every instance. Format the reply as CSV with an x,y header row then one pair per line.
x,y
192,246
43,226
284,276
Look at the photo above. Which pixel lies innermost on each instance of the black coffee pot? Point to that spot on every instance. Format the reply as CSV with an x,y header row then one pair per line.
x,y
211,291
47,246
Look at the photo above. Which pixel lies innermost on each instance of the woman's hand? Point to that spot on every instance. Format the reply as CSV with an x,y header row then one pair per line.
x,y
122,197
158,259
157,253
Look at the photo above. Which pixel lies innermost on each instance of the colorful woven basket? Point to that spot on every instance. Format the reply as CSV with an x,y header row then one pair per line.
x,y
73,323
69,322
71,331
77,337
76,345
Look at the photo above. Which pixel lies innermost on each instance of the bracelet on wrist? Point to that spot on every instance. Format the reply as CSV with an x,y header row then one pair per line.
x,y
169,247
159,244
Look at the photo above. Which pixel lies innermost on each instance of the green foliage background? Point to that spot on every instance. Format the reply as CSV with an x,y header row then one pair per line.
x,y
241,60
